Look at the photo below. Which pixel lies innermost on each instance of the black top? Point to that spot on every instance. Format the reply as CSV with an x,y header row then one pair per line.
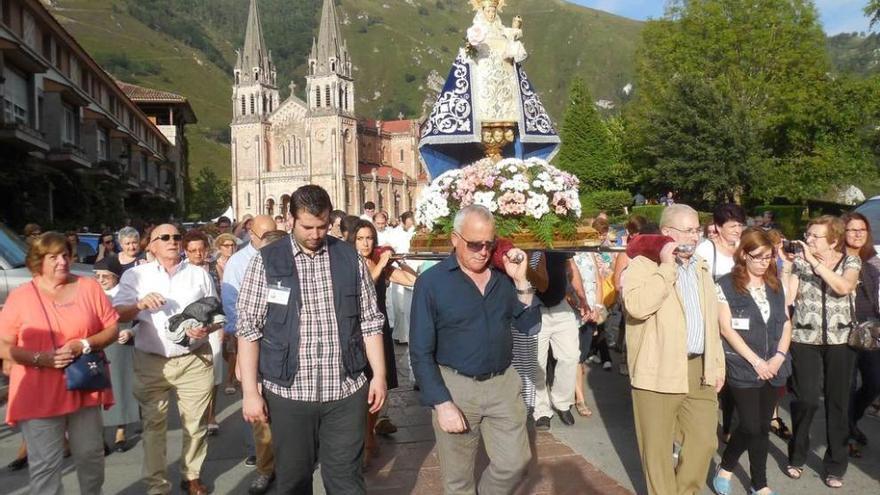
x,y
452,324
558,279
866,297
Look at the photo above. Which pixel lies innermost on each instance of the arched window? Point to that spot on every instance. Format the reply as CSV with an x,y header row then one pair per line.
x,y
252,105
237,78
289,156
327,97
243,107
341,98
270,207
401,156
333,66
301,152
318,97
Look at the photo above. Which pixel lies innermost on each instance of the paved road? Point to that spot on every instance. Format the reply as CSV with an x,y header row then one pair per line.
x,y
572,460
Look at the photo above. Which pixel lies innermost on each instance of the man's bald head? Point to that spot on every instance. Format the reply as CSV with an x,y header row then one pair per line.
x,y
165,243
259,227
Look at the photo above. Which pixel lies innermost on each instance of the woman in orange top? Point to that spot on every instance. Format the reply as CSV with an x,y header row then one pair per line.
x,y
79,318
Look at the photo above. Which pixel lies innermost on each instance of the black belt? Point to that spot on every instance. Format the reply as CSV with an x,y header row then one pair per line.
x,y
481,377
693,356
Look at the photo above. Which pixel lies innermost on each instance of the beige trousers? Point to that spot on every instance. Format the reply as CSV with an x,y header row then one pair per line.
x,y
191,378
696,416
494,410
559,329
263,448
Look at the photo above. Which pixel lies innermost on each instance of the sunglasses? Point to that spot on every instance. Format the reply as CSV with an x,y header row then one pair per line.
x,y
168,237
476,247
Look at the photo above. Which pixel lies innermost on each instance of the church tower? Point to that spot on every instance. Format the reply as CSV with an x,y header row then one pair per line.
x,y
332,122
254,98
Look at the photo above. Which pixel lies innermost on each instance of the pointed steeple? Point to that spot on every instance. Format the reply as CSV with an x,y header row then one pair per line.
x,y
329,51
254,57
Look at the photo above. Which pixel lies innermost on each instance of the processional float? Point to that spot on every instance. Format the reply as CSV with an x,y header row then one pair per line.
x,y
488,141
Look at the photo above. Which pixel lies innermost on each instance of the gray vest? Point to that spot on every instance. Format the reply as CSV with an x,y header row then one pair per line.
x,y
279,347
762,338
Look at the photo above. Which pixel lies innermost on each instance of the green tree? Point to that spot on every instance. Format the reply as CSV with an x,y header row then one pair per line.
x,y
764,65
210,195
872,10
586,149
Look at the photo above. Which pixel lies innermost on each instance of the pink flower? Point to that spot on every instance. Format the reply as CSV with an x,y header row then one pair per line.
x,y
476,34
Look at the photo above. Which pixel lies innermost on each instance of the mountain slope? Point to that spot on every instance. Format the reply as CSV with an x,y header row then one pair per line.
x,y
401,50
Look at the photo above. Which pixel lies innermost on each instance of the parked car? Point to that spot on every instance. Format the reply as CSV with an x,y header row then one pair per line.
x,y
13,271
871,210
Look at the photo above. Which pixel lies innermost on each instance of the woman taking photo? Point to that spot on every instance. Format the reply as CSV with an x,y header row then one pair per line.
x,y
44,326
363,237
860,243
820,279
757,333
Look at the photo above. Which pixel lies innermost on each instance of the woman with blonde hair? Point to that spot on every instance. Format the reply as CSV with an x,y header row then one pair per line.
x,y
44,326
224,247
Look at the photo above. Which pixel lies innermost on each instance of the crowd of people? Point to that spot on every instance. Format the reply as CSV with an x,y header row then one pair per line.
x,y
300,314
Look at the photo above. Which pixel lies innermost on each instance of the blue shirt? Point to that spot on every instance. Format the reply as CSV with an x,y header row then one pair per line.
x,y
452,324
233,274
688,285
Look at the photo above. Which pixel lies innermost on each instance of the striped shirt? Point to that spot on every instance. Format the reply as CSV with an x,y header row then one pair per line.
x,y
688,286
320,376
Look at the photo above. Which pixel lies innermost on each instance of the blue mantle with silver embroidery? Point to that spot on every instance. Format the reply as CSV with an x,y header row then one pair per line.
x,y
451,135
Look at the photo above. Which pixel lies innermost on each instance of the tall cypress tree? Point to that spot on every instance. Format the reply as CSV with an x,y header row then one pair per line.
x,y
586,150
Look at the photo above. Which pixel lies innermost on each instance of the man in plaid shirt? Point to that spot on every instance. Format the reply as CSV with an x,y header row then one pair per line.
x,y
308,323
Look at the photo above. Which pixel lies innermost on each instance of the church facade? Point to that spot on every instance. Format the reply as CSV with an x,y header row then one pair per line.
x,y
278,146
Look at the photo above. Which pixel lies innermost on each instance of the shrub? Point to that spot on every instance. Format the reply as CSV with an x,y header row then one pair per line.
x,y
610,201
789,217
651,212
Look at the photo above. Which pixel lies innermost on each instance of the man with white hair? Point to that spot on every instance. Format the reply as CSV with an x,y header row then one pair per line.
x,y
675,358
461,349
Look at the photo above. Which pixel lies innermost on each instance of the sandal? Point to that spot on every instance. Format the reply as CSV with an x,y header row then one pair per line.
x,y
794,472
832,481
229,390
583,410
780,429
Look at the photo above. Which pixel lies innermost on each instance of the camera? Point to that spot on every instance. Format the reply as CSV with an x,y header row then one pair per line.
x,y
791,247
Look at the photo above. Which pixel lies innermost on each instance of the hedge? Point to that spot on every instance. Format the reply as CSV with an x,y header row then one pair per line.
x,y
790,218
609,201
653,212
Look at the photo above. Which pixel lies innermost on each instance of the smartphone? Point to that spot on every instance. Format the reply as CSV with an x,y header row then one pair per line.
x,y
791,247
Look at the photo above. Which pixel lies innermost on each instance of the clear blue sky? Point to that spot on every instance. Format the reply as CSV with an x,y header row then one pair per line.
x,y
838,16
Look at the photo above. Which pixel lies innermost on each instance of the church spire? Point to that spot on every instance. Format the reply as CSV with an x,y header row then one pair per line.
x,y
254,60
329,52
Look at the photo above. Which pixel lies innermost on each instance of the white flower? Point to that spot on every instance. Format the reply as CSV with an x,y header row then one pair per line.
x,y
536,206
486,199
476,34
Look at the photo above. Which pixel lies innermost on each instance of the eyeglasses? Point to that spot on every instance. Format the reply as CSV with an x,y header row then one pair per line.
x,y
733,226
808,235
477,247
168,237
227,244
857,231
688,231
762,259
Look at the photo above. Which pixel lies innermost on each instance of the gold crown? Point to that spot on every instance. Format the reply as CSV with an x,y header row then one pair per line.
x,y
480,4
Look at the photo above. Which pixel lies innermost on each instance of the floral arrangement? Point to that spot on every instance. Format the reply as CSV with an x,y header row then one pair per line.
x,y
525,196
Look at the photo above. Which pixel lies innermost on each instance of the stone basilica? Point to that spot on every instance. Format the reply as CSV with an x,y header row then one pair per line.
x,y
278,146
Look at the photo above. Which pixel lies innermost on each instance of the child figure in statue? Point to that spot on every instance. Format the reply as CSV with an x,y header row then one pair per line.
x,y
495,49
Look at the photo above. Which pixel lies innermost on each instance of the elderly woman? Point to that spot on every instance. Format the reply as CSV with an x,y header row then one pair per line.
x,y
130,255
196,247
44,326
121,354
31,232
225,246
819,280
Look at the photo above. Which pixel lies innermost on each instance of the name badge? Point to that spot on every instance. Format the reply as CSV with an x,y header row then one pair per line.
x,y
279,295
740,323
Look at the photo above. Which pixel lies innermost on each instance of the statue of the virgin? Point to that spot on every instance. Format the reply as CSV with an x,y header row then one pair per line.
x,y
487,107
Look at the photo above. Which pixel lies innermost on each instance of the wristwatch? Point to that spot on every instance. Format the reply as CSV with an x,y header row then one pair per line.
x,y
87,349
527,290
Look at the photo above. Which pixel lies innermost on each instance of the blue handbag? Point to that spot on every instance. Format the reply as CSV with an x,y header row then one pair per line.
x,y
88,372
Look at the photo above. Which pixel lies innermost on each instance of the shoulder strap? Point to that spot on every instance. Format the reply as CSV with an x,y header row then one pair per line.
x,y
714,260
45,314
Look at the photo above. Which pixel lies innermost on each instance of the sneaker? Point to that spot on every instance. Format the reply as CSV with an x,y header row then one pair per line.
x,y
594,359
542,424
261,484
606,366
622,369
250,461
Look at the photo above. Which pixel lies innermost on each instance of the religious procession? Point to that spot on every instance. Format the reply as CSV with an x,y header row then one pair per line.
x,y
497,335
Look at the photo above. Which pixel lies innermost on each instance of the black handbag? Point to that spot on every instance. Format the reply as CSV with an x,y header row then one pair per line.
x,y
88,372
865,335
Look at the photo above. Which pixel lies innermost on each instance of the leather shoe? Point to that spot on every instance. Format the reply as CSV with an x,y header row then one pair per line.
x,y
566,417
194,487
